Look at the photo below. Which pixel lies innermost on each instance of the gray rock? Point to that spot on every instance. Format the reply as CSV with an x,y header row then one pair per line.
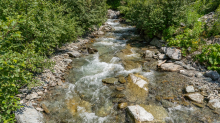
x,y
190,89
170,67
158,43
215,103
197,97
110,80
199,74
28,114
59,82
39,109
74,54
67,61
189,67
101,33
139,114
32,96
212,74
149,54
172,52
162,56
113,14
179,63
187,73
40,93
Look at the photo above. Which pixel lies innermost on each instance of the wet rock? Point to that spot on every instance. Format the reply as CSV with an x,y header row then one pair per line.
x,y
190,89
100,33
158,43
39,109
214,103
172,52
129,65
122,80
74,54
110,80
139,114
170,67
122,105
32,96
119,88
104,110
45,108
187,73
198,104
197,97
162,56
28,114
199,74
167,104
149,54
105,28
92,50
138,80
212,74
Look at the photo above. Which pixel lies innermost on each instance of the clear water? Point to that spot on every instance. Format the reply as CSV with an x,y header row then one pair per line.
x,y
85,99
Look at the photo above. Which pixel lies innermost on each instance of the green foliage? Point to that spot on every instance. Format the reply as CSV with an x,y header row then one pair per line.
x,y
211,56
30,30
114,4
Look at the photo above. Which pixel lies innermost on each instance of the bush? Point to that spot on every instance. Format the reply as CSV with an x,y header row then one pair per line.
x,y
30,30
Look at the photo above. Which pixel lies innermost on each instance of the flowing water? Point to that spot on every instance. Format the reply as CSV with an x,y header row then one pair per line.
x,y
84,98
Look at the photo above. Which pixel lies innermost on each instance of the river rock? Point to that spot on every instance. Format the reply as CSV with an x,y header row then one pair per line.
x,y
199,74
122,80
100,33
158,43
39,109
172,52
139,114
214,103
32,96
197,97
213,75
187,73
45,108
74,54
110,80
40,93
170,67
162,56
122,105
120,88
28,114
138,80
129,65
118,100
149,54
113,14
190,89
67,61
92,50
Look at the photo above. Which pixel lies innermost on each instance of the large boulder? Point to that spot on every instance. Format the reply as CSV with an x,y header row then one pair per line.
x,y
138,114
158,43
113,14
28,114
170,67
172,52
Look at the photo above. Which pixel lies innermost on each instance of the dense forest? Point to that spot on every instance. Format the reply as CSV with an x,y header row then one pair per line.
x,y
31,30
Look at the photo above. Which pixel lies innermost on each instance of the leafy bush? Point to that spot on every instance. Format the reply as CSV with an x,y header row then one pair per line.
x,y
30,30
114,4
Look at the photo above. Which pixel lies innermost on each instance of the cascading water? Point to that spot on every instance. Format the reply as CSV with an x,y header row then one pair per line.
x,y
85,99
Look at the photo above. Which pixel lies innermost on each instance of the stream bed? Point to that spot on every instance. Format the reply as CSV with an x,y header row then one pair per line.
x,y
84,98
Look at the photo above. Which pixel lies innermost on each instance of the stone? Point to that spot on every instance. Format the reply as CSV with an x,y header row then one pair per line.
x,y
162,56
32,96
122,80
74,54
45,108
214,103
170,67
139,114
110,80
28,114
158,43
129,65
190,89
60,82
149,54
39,109
52,84
197,97
172,52
138,81
199,74
189,67
179,63
119,88
40,93
67,61
92,50
118,100
212,74
101,33
187,73
122,105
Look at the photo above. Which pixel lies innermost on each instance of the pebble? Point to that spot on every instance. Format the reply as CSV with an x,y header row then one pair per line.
x,y
122,105
190,89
